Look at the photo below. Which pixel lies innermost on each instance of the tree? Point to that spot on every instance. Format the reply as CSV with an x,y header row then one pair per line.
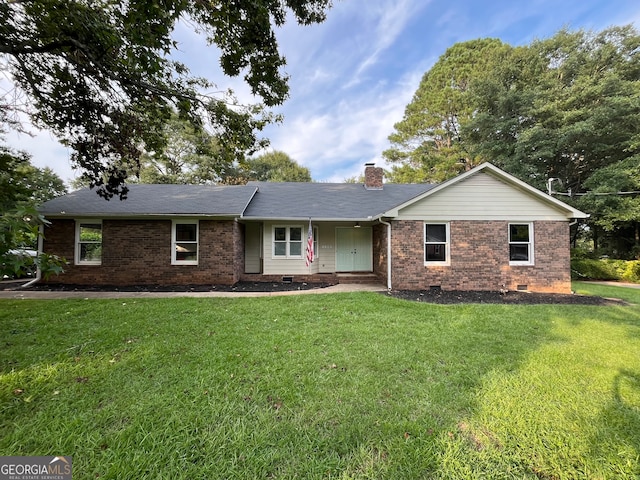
x,y
22,183
22,188
427,145
566,107
614,198
561,108
99,74
191,156
276,167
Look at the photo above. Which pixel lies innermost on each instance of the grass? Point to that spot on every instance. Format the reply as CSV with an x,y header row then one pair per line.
x,y
335,386
631,295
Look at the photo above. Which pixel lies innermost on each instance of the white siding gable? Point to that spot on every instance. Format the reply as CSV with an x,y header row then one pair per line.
x,y
481,197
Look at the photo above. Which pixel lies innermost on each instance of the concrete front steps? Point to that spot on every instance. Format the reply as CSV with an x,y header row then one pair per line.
x,y
358,278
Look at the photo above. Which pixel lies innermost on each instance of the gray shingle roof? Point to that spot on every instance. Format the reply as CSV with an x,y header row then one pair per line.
x,y
258,200
197,200
328,201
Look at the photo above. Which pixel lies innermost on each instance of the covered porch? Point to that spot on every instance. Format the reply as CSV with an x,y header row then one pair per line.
x,y
344,252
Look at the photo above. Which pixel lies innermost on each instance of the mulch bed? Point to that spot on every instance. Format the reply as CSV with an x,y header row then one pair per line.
x,y
238,287
426,296
509,298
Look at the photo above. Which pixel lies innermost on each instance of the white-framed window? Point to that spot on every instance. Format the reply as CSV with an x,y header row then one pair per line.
x,y
436,244
88,249
184,242
287,242
521,243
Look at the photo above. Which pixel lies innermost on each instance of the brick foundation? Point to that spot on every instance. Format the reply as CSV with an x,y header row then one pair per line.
x,y
480,258
328,278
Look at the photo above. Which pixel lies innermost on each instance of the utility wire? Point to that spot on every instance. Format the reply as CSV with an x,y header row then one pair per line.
x,y
569,194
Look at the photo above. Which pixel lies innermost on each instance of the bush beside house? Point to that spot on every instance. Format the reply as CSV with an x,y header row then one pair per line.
x,y
605,269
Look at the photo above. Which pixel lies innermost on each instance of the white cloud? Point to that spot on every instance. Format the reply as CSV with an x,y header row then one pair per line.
x,y
335,141
391,20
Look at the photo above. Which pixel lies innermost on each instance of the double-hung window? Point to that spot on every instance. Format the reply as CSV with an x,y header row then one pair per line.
x,y
88,242
287,242
436,244
184,242
521,244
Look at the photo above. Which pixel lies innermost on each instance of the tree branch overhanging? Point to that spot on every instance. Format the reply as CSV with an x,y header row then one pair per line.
x,y
99,77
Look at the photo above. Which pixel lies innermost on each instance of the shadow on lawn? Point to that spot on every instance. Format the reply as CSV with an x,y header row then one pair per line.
x,y
620,419
613,314
444,354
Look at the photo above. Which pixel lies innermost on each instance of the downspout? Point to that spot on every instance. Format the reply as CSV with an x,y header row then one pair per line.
x,y
38,269
574,239
388,252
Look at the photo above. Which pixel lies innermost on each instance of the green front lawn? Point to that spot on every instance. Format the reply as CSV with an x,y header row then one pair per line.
x,y
322,386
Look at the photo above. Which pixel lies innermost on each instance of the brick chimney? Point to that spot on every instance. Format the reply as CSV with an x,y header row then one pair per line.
x,y
373,176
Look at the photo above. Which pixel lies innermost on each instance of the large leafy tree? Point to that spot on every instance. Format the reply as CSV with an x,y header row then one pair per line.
x,y
564,108
22,183
100,76
276,166
568,108
191,155
613,195
23,187
428,144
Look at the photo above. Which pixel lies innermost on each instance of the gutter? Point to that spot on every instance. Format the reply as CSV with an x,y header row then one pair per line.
x,y
388,252
38,276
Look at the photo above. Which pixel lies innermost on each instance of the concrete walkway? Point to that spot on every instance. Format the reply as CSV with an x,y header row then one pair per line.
x,y
44,295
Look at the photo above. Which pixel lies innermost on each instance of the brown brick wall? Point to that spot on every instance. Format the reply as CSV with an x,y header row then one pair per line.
x,y
238,248
480,258
373,177
380,252
136,252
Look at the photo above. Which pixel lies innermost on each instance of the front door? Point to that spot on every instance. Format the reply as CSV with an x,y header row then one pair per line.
x,y
353,249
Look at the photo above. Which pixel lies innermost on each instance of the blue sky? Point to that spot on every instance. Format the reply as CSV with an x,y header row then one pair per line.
x,y
352,76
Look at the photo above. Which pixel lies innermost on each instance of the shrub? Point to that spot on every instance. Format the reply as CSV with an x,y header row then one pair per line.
x,y
605,269
587,269
632,271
